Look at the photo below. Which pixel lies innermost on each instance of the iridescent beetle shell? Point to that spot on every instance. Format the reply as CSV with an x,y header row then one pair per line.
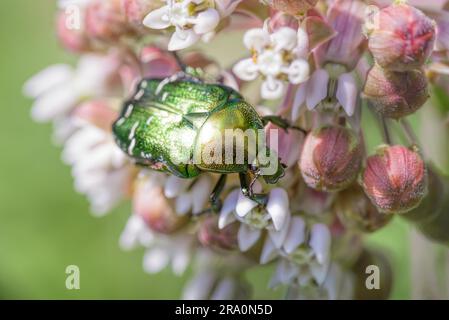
x,y
168,124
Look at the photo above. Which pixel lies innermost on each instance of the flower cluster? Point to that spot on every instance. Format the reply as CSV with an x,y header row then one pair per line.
x,y
314,64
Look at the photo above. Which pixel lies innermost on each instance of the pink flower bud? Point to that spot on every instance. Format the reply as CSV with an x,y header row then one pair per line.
x,y
72,39
355,210
396,94
136,10
106,20
331,158
395,179
403,38
211,236
156,210
293,7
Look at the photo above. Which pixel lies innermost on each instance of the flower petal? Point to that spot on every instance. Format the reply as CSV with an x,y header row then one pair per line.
x,y
155,260
246,70
174,186
47,79
347,93
298,102
272,89
298,71
256,39
320,242
296,235
244,205
200,194
278,207
157,19
226,217
183,204
182,39
206,21
284,38
269,252
278,237
317,88
54,104
247,237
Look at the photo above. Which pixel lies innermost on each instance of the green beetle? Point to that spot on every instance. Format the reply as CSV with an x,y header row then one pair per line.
x,y
167,125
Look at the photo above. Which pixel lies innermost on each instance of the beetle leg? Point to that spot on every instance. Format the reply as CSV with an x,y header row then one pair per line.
x,y
281,122
216,192
247,191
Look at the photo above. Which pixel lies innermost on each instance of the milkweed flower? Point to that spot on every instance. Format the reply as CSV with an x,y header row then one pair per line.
x,y
60,88
277,57
255,218
192,19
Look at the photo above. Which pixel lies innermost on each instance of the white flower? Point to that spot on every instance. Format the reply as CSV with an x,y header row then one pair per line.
x,y
217,277
277,57
60,88
192,19
99,167
315,91
254,218
191,195
304,258
174,250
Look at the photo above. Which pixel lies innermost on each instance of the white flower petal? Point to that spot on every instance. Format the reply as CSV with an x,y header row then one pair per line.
x,y
319,271
130,235
298,102
244,205
199,287
272,89
183,204
157,19
302,48
224,290
347,93
226,217
296,235
155,260
182,39
298,71
278,207
47,79
226,7
181,259
200,194
317,88
206,21
247,237
256,39
320,242
278,237
174,186
246,70
54,104
284,38
269,252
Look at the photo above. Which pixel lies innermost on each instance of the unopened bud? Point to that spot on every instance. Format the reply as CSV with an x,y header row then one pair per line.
x,y
213,237
71,38
106,20
293,7
403,38
156,210
356,211
395,179
396,94
331,158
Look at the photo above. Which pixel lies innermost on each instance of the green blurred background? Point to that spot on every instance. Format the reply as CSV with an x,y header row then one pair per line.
x,y
45,226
